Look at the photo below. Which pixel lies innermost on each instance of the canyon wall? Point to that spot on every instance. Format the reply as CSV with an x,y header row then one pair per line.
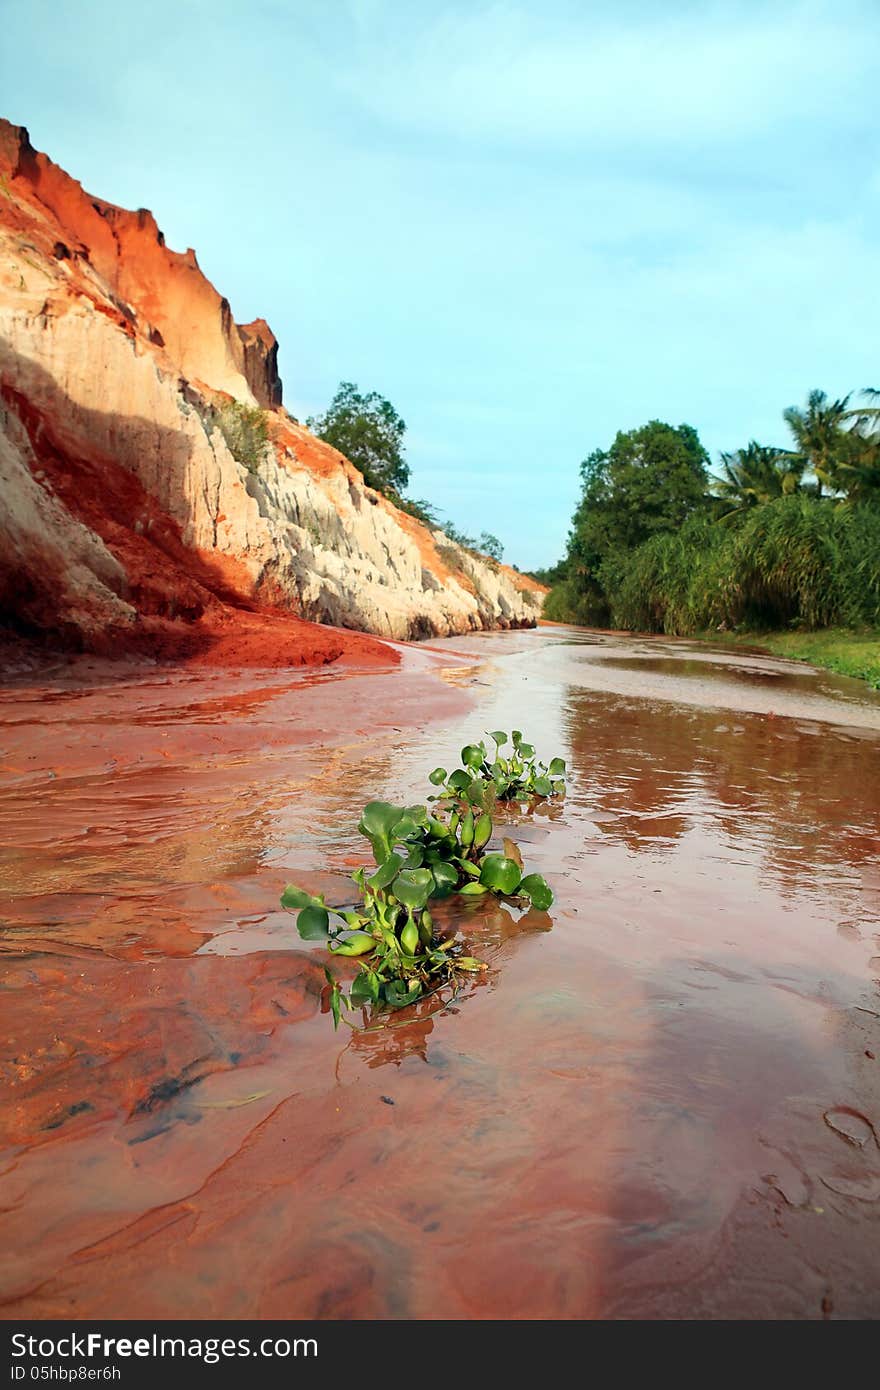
x,y
123,507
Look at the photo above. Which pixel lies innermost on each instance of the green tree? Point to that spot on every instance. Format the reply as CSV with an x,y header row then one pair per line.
x,y
756,474
369,431
490,545
650,480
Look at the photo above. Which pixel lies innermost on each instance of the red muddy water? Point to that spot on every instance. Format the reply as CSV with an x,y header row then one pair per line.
x,y
663,1099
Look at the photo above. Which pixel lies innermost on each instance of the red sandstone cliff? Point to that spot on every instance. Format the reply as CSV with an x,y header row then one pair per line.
x,y
126,520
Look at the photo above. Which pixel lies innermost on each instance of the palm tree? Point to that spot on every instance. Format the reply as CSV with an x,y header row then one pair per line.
x,y
820,436
757,474
859,468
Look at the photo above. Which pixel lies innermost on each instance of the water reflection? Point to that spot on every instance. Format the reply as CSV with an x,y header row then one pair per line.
x,y
649,774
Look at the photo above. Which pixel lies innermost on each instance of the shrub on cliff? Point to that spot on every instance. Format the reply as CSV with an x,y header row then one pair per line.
x,y
246,431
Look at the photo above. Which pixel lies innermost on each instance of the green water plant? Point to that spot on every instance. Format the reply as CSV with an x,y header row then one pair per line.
x,y
393,930
514,775
419,856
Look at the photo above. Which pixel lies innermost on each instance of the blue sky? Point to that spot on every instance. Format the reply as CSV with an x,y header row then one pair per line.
x,y
527,224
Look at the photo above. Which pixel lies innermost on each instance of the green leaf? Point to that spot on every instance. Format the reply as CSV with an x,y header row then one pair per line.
x,y
525,750
517,738
557,767
460,780
445,879
379,818
335,1004
473,870
412,887
399,993
386,872
415,858
298,897
499,737
438,776
543,786
313,923
409,827
473,889
501,874
472,755
540,892
358,944
377,822
365,987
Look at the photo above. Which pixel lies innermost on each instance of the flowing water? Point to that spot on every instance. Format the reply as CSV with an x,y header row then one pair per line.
x,y
661,1100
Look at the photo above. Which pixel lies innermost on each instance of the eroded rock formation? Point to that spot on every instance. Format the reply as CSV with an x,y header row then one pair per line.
x,y
123,510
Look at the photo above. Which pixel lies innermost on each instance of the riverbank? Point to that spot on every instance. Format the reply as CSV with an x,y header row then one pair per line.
x,y
847,653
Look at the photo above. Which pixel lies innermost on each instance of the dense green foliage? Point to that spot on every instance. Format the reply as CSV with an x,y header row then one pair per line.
x,y
781,537
246,431
369,431
518,776
423,855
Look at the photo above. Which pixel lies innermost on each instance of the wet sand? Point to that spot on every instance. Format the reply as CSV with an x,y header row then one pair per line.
x,y
662,1101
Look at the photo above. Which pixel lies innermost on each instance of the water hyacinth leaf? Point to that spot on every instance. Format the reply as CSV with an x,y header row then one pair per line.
x,y
399,993
313,923
407,828
476,791
517,738
460,780
501,874
365,988
543,786
472,870
415,858
445,879
438,776
413,887
358,944
473,889
525,750
498,737
377,822
298,897
557,767
472,755
539,890
386,872
512,851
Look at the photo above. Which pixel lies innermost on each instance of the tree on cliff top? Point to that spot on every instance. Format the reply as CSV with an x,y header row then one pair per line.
x,y
369,431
